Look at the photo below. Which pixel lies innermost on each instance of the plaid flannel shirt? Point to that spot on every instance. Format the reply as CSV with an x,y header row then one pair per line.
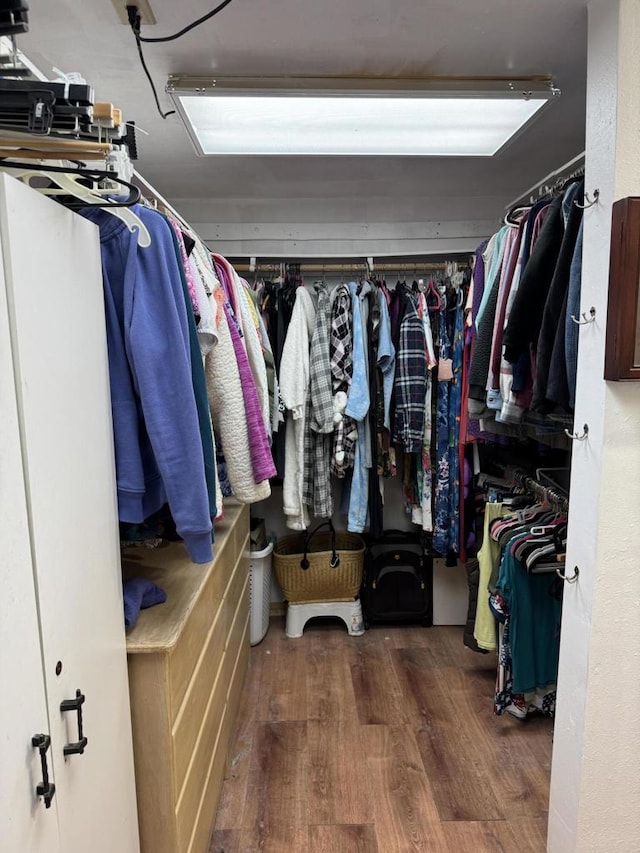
x,y
411,382
317,480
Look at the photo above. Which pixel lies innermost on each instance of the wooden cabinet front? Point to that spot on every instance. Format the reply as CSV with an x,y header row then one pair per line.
x,y
187,663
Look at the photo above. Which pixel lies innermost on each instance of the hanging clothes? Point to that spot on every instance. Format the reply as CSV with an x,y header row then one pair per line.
x,y
455,401
572,217
386,361
532,648
294,387
422,513
376,415
443,478
341,360
526,314
357,408
512,250
252,368
410,380
158,442
200,392
261,460
227,404
479,370
276,306
573,310
319,416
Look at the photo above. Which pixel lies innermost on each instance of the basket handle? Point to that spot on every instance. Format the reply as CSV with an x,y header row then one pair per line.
x,y
335,559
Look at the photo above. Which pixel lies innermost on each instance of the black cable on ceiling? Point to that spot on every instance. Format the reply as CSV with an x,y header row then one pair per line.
x,y
135,22
132,11
189,27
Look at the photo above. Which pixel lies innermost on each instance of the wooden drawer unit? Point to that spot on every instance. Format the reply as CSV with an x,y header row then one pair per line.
x,y
187,663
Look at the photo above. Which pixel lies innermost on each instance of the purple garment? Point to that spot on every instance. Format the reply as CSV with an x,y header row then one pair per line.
x,y
473,426
394,315
261,459
138,594
501,310
229,292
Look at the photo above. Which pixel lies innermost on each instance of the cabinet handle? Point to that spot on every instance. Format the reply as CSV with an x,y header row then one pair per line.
x,y
76,747
45,789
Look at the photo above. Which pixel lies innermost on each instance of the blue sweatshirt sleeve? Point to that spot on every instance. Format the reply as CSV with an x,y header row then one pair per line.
x,y
157,335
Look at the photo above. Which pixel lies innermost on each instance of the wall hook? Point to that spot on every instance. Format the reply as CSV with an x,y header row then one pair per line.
x,y
573,579
588,202
586,320
575,436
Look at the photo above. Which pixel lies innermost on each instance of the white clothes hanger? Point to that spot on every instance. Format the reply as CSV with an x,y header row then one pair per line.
x,y
67,184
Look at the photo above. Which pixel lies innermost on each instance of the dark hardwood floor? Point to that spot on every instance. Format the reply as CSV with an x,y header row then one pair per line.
x,y
378,744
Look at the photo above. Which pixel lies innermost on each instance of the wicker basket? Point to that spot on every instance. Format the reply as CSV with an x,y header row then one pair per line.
x,y
319,566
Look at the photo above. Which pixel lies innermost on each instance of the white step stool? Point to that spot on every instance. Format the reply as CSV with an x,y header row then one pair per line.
x,y
349,611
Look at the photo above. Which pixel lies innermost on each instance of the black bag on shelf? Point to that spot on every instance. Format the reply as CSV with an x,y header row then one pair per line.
x,y
398,580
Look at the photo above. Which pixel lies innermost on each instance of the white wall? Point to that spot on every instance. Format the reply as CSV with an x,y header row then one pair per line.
x,y
325,227
595,788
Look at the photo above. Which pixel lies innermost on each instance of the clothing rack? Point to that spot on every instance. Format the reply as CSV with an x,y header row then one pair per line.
x,y
151,194
556,497
356,266
573,169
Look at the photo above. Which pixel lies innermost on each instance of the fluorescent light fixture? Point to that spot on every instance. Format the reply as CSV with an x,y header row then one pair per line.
x,y
281,116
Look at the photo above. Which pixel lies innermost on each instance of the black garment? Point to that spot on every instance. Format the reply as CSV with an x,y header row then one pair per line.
x,y
557,384
479,369
528,234
277,304
189,242
553,315
525,318
522,368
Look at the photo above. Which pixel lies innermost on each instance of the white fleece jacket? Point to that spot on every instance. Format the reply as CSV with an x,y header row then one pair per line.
x,y
294,387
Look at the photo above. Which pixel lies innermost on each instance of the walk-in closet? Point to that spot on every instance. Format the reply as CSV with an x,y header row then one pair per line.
x,y
319,428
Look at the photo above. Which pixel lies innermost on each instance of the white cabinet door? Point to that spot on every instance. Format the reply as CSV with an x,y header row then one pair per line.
x,y
54,281
25,822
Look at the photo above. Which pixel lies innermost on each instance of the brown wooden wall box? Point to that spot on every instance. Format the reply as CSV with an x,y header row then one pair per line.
x,y
622,349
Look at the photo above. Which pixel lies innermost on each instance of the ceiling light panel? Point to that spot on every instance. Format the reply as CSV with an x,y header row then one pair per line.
x,y
454,122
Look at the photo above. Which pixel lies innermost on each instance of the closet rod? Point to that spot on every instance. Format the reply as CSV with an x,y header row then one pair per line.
x,y
562,171
429,266
149,192
552,496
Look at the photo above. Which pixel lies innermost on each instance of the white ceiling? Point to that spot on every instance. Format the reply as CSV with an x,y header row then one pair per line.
x,y
403,38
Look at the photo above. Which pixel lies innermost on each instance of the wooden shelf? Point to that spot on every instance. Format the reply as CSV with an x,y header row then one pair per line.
x,y
184,582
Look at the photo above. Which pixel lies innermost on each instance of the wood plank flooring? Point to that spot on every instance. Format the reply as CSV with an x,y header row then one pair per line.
x,y
384,743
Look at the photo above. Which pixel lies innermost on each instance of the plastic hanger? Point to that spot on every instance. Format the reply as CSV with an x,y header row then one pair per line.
x,y
68,183
433,290
510,218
